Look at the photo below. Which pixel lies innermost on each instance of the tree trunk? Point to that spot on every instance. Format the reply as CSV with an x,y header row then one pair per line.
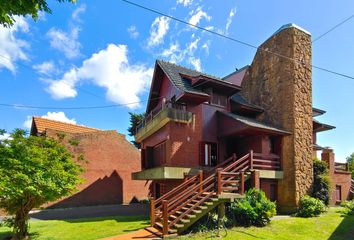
x,y
20,230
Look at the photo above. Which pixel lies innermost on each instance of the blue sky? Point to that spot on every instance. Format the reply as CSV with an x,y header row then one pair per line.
x,y
95,54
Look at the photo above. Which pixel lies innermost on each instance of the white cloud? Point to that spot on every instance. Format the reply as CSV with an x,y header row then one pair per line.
x,y
11,47
133,32
66,42
197,16
45,68
76,13
111,70
206,47
4,136
57,116
229,19
185,2
193,45
158,31
196,63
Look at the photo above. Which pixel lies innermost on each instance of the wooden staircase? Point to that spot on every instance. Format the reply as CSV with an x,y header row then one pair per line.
x,y
352,188
177,210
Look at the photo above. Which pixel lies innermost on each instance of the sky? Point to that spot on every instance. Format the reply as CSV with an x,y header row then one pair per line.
x,y
96,53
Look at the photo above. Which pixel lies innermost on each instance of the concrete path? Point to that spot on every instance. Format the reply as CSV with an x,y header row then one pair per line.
x,y
141,234
90,212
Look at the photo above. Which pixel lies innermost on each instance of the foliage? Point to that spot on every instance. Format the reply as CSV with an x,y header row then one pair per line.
x,y
11,8
348,207
310,207
208,222
321,181
135,120
255,209
34,170
350,161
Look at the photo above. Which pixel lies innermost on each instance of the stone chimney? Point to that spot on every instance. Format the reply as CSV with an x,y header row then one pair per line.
x,y
280,80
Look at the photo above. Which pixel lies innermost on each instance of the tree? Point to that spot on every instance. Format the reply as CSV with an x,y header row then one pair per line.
x,y
34,170
350,161
135,120
321,181
11,8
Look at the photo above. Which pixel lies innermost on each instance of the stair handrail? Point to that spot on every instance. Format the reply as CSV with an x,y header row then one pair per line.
x,y
223,163
176,189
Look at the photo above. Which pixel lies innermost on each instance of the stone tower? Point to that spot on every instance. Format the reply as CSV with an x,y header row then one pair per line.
x,y
280,80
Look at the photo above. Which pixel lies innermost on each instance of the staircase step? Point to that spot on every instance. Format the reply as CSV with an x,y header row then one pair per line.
x,y
171,230
208,203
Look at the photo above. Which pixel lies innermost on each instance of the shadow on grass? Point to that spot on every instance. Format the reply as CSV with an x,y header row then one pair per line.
x,y
116,218
5,235
345,229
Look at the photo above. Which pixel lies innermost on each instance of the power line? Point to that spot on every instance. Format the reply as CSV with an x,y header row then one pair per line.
x,y
331,29
236,40
73,108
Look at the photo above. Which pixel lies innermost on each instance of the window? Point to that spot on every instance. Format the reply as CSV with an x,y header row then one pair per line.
x,y
338,193
216,98
159,154
208,154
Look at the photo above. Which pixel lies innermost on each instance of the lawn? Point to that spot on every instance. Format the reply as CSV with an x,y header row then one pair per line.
x,y
331,225
92,228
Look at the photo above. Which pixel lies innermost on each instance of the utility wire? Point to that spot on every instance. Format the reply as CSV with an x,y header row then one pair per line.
x,y
73,108
331,29
236,40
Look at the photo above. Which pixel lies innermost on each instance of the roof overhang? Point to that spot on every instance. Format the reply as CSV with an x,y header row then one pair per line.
x,y
235,125
317,147
317,112
205,82
320,127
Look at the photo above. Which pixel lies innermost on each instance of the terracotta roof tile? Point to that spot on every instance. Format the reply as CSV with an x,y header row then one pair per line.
x,y
39,125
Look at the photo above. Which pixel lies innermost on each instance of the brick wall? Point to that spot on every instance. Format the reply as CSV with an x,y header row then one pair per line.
x,y
107,180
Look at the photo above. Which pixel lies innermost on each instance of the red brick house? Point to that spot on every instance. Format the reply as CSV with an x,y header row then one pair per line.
x,y
206,139
109,162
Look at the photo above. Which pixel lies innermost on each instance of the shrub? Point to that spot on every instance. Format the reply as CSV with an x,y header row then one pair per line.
x,y
255,209
321,183
348,207
310,207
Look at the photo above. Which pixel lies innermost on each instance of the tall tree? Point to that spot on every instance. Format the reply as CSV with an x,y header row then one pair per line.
x,y
11,8
135,120
34,170
350,161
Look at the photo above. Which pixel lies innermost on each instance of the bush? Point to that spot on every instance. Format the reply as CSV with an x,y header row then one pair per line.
x,y
321,183
255,209
310,207
348,207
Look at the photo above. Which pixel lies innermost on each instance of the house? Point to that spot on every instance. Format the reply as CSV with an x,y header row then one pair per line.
x,y
206,139
109,160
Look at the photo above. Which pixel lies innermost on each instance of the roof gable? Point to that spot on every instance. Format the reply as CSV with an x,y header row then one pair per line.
x,y
40,125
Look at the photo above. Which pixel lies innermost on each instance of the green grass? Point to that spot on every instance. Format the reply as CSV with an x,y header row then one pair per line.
x,y
331,225
92,228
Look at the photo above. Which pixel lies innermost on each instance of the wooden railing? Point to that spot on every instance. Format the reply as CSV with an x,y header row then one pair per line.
x,y
341,167
226,177
266,162
352,186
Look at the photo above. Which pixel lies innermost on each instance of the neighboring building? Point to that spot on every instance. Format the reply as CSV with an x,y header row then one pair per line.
x,y
109,162
195,121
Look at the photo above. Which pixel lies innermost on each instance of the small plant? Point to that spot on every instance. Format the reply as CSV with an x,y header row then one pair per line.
x,y
348,207
310,207
255,209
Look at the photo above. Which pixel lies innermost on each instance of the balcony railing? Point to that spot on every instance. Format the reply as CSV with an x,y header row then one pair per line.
x,y
341,167
160,116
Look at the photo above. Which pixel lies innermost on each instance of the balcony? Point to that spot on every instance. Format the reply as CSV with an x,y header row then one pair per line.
x,y
159,117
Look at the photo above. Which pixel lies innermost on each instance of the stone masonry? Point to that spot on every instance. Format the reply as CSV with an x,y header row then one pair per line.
x,y
283,87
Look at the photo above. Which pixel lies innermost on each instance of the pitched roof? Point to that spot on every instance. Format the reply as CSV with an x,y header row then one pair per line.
x,y
238,98
254,123
174,73
40,125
